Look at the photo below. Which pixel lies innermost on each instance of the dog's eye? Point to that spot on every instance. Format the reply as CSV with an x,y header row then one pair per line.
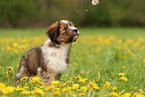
x,y
65,28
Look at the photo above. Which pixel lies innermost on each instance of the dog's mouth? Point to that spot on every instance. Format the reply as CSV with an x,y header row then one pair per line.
x,y
76,35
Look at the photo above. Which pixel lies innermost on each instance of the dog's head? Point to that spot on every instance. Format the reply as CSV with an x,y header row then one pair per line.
x,y
62,32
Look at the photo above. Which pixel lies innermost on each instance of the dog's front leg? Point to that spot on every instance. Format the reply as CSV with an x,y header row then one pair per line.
x,y
50,79
47,76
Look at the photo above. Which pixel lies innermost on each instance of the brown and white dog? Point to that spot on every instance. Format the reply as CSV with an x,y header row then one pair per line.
x,y
50,61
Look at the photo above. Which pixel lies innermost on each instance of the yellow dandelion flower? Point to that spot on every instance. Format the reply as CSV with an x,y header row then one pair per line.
x,y
70,82
25,92
9,48
78,90
81,72
4,96
67,75
83,80
17,81
19,47
55,82
19,89
58,93
66,89
47,96
134,94
38,91
17,66
114,88
121,74
41,87
2,85
65,84
31,82
0,66
141,91
107,84
79,77
121,92
56,89
81,94
80,52
91,83
144,60
95,86
135,45
25,87
74,95
47,93
8,89
124,67
75,86
111,37
36,78
135,87
84,88
123,78
24,78
41,83
127,49
139,95
49,87
15,44
88,87
60,85
106,95
119,47
7,74
71,92
74,77
75,64
114,94
11,68
126,95
15,50
133,55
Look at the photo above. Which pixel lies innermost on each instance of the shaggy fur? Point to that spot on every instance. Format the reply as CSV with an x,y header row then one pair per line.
x,y
50,61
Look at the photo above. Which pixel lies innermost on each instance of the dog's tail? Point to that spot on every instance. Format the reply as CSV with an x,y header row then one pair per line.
x,y
21,70
20,73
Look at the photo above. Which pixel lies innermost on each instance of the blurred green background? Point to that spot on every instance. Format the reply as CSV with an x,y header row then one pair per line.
x,y
41,13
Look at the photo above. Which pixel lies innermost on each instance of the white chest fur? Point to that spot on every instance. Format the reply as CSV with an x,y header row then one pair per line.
x,y
55,58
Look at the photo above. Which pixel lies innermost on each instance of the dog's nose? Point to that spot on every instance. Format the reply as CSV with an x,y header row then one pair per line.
x,y
76,31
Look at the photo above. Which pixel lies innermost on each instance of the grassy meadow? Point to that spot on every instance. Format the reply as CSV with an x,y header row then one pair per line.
x,y
104,62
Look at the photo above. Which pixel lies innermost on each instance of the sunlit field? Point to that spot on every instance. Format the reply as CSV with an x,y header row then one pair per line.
x,y
103,62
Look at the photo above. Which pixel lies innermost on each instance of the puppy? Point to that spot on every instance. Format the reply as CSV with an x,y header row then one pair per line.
x,y
51,60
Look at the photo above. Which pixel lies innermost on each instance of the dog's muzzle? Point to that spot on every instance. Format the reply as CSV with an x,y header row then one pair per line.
x,y
76,34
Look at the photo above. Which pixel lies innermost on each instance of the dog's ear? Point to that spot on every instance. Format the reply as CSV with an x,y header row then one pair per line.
x,y
53,32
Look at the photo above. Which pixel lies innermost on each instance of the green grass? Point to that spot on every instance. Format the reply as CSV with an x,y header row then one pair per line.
x,y
121,32
99,55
